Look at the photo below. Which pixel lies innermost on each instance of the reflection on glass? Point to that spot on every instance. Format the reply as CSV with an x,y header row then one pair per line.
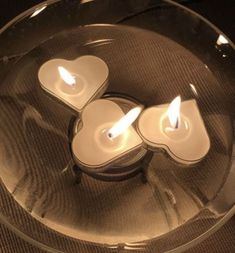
x,y
86,1
38,10
221,40
193,88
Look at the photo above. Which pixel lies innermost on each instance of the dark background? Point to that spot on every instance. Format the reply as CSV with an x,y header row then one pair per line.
x,y
219,12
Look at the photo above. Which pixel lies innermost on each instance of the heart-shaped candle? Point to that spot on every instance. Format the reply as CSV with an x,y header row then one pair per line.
x,y
182,134
75,82
96,145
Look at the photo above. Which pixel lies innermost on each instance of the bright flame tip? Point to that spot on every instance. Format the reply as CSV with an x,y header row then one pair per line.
x,y
124,123
174,112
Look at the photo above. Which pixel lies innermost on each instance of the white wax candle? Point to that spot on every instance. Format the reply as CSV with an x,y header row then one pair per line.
x,y
186,143
75,82
92,147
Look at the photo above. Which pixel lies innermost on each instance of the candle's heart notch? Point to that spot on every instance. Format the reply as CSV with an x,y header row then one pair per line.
x,y
75,82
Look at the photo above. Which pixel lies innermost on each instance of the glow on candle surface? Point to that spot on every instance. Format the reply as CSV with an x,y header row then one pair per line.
x,y
187,142
75,82
92,147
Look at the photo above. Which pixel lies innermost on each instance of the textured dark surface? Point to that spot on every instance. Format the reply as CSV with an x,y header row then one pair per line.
x,y
222,241
11,243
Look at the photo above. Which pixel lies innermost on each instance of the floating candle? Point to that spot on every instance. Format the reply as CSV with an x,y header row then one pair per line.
x,y
181,133
77,82
99,143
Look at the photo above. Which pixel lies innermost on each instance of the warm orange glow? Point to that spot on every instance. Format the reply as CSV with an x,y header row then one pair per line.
x,y
174,112
66,76
122,125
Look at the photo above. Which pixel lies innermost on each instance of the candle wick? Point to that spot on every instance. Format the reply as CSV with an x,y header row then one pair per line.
x,y
110,136
175,127
177,124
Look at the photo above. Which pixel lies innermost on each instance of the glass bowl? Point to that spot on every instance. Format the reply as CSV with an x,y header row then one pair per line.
x,y
154,50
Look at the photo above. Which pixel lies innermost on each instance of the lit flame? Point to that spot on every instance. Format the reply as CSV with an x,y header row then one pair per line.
x,y
123,124
66,76
38,10
174,112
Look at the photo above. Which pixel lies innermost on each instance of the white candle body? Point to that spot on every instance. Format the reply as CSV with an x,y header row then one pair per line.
x,y
89,72
92,147
188,144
